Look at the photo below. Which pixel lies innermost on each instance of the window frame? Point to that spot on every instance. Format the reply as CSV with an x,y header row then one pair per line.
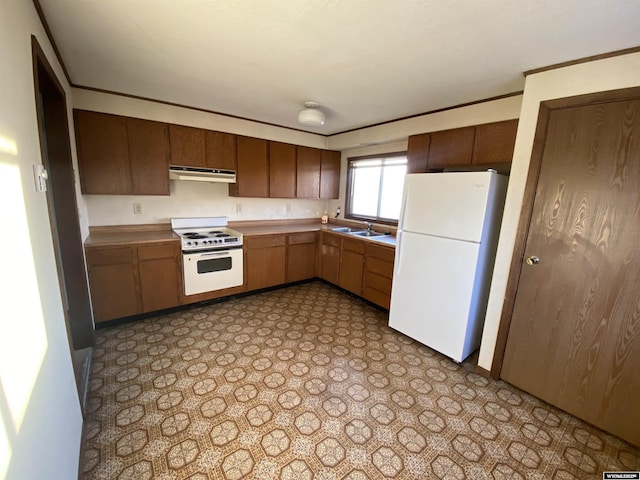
x,y
349,190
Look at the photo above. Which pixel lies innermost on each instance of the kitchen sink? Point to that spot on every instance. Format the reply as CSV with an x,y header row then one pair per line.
x,y
347,230
369,233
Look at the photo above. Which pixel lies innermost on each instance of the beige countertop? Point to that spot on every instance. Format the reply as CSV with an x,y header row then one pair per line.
x,y
105,236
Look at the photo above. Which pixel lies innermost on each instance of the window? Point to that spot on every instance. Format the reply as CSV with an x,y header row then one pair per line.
x,y
374,186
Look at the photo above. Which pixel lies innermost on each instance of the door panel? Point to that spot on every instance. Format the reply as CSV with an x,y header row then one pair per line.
x,y
574,338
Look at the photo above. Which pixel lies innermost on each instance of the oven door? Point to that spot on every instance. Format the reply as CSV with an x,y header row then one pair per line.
x,y
208,271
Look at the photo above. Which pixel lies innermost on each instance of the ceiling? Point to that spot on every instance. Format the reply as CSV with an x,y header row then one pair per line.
x,y
363,61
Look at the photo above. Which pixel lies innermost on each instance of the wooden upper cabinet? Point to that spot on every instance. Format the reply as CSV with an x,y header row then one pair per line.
x,y
187,146
282,170
330,174
253,168
308,178
149,156
220,150
103,155
494,142
450,148
418,153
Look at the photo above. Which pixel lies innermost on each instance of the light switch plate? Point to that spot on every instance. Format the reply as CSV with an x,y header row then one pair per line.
x,y
40,177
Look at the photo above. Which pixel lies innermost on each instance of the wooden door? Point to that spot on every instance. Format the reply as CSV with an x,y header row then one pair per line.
x,y
574,339
308,178
253,168
149,156
330,174
160,276
351,265
114,283
282,170
330,257
103,156
418,153
187,146
301,256
450,148
220,150
494,143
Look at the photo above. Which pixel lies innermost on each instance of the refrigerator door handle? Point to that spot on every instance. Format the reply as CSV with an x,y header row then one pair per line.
x,y
396,268
403,207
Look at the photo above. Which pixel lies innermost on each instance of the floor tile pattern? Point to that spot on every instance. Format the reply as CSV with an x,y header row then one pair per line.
x,y
306,382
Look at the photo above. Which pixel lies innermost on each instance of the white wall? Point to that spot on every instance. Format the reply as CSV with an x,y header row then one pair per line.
x,y
40,417
193,198
608,74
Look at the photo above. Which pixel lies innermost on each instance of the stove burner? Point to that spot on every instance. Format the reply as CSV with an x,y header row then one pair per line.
x,y
193,235
214,232
223,235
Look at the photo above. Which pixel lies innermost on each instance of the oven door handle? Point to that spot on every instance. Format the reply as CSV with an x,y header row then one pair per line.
x,y
214,254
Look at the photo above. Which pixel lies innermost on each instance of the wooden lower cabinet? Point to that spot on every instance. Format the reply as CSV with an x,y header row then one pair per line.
x,y
265,261
160,276
134,279
114,283
329,257
351,265
301,256
378,274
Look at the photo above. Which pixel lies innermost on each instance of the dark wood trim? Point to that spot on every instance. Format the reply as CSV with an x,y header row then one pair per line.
x,y
481,371
592,58
453,107
172,104
528,200
347,200
45,25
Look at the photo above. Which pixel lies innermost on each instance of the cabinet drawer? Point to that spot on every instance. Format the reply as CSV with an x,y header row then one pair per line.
x,y
264,241
379,267
353,245
302,237
377,297
109,256
330,239
386,254
149,252
378,282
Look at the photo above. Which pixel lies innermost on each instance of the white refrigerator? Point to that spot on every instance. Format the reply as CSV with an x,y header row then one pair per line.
x,y
446,247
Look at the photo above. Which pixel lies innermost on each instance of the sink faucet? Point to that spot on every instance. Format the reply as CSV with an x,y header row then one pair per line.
x,y
368,225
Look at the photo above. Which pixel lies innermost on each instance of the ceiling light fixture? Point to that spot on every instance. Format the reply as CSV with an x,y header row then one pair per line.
x,y
311,115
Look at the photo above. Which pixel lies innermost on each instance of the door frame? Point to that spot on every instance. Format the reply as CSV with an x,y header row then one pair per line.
x,y
55,150
528,200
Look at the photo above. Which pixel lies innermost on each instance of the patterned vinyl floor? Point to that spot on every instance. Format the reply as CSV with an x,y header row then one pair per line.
x,y
308,383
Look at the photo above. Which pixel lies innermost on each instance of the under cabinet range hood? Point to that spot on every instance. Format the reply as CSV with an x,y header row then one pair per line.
x,y
198,174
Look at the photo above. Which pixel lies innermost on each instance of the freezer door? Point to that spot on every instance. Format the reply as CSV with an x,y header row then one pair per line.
x,y
433,293
450,205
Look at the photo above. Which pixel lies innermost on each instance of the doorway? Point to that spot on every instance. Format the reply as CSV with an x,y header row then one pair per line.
x,y
574,333
53,127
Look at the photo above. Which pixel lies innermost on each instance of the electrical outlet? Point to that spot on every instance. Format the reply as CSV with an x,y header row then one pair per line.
x,y
137,209
238,208
288,209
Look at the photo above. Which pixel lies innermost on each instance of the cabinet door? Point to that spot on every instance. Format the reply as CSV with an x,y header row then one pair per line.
x,y
265,261
450,148
378,274
103,156
253,168
149,156
114,283
187,146
351,268
418,153
330,174
494,143
308,176
160,276
282,170
330,258
220,150
301,256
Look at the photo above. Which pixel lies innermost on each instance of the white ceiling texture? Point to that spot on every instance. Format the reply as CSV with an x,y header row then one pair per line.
x,y
363,61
